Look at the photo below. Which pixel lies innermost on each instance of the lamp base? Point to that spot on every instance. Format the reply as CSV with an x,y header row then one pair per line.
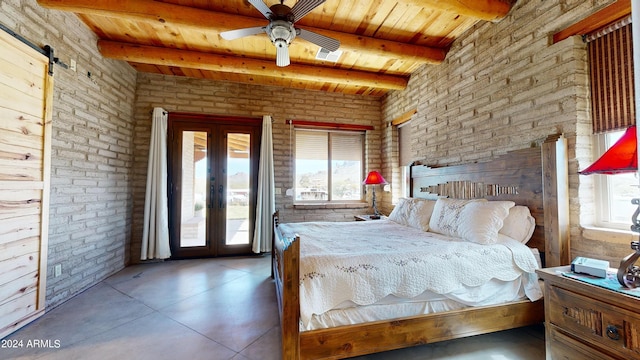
x,y
376,214
628,273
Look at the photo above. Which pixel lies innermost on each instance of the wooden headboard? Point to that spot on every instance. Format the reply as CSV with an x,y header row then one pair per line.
x,y
536,177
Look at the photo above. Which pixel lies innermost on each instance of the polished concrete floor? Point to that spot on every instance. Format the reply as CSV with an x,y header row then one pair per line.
x,y
205,309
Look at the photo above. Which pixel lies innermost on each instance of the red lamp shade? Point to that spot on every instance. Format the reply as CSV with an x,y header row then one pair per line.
x,y
622,157
374,178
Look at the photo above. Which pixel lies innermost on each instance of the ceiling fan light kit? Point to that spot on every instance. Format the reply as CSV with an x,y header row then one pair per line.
x,y
281,34
281,30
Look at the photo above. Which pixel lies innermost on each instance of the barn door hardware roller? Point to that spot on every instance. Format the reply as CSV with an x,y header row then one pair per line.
x,y
47,51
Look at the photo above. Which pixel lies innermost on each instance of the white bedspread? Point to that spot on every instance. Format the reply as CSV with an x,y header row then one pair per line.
x,y
363,262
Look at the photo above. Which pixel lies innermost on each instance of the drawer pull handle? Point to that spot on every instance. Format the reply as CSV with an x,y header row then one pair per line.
x,y
612,333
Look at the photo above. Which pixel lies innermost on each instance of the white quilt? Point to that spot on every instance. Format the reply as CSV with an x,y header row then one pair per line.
x,y
364,262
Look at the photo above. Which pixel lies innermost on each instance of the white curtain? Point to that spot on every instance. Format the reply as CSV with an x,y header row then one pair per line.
x,y
266,202
155,234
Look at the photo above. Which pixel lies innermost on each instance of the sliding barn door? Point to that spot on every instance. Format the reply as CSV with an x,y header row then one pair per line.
x,y
25,124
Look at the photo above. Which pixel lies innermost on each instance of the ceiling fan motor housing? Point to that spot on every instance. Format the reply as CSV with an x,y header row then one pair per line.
x,y
281,32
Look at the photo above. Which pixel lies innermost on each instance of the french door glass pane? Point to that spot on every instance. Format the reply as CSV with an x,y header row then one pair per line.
x,y
194,189
238,188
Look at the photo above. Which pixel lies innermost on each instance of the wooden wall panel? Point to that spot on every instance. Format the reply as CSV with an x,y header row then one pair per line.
x,y
14,311
19,202
21,287
25,157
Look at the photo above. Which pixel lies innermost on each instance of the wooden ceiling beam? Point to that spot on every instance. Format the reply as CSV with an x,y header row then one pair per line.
x,y
204,20
206,61
490,10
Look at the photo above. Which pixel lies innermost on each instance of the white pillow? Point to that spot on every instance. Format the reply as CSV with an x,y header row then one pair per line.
x,y
413,212
519,224
446,215
399,212
477,221
483,221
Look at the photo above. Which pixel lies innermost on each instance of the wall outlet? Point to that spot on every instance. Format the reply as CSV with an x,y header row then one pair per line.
x,y
278,191
58,270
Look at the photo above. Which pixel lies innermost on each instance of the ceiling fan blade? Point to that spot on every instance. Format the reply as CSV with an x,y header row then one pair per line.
x,y
282,55
262,7
236,34
303,7
326,42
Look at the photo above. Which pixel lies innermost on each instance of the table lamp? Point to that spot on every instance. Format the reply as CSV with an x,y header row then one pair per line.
x,y
622,157
374,178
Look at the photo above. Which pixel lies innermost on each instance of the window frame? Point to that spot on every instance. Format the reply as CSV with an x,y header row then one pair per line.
x,y
602,187
329,131
405,169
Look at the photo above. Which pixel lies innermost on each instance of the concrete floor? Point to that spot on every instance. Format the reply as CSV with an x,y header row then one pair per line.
x,y
205,309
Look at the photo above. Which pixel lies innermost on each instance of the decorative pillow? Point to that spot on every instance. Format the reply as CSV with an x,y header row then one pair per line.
x,y
446,215
519,224
483,221
477,221
399,212
413,212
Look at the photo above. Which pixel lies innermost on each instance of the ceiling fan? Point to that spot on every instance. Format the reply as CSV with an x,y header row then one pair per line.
x,y
281,30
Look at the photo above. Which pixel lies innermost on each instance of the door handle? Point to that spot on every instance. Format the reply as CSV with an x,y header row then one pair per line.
x,y
220,197
212,193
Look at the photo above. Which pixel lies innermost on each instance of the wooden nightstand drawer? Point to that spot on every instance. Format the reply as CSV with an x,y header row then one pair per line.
x,y
595,321
566,347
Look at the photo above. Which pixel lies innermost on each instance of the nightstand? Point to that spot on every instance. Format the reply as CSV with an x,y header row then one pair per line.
x,y
367,217
584,321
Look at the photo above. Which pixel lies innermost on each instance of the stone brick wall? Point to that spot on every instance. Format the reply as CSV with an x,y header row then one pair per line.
x,y
90,212
504,86
181,94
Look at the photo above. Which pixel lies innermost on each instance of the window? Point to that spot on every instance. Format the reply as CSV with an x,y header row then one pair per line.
x,y
329,165
612,109
614,192
404,155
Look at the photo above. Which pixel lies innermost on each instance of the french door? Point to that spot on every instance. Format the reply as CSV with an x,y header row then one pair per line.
x,y
213,171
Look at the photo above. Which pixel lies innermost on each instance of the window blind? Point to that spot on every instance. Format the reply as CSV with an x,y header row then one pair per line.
x,y
312,145
404,144
611,73
346,147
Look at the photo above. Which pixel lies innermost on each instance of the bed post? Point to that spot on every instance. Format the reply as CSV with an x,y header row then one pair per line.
x,y
556,200
290,313
285,269
275,220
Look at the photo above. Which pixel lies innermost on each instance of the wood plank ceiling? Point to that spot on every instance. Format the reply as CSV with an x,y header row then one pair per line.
x,y
382,42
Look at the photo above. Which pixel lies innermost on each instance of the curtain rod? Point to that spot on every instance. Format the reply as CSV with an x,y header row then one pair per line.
x,y
329,125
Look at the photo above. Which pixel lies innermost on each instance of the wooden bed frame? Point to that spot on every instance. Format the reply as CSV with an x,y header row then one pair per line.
x,y
535,177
